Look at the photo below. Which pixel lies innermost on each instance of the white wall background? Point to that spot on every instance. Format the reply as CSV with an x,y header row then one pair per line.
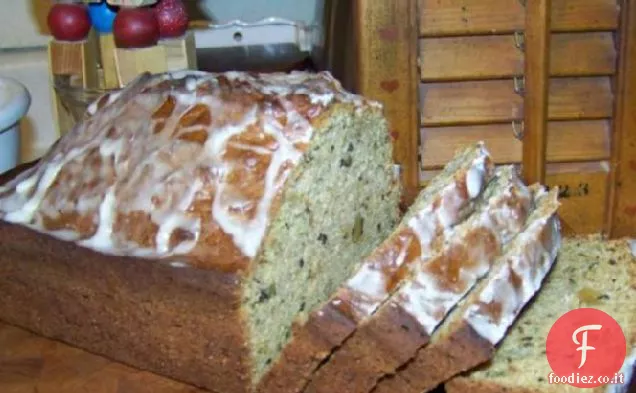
x,y
23,23
252,10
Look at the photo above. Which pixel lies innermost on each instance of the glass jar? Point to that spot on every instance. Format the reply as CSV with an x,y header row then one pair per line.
x,y
74,100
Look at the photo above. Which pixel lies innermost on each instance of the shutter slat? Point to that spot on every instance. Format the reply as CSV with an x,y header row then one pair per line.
x,y
494,101
568,141
491,57
580,98
464,17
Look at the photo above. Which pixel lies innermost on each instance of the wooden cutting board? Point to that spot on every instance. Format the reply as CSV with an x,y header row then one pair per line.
x,y
32,364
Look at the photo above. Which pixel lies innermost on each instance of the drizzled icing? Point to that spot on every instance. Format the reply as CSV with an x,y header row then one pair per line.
x,y
517,278
440,282
380,272
174,161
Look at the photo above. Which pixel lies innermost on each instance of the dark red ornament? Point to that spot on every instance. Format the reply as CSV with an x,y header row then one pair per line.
x,y
136,28
69,22
172,17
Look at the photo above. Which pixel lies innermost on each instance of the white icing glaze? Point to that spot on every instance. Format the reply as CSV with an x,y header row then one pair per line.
x,y
138,170
191,83
175,219
24,213
450,197
102,240
475,178
628,374
369,284
112,96
248,235
425,224
424,297
530,261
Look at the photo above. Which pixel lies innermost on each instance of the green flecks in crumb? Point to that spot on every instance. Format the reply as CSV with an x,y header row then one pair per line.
x,y
346,162
358,228
309,248
267,293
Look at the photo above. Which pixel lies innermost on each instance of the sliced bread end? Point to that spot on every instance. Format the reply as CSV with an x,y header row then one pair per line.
x,y
589,272
467,337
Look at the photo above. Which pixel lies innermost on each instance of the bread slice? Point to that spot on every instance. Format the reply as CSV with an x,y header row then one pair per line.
x,y
183,223
589,272
469,334
404,323
447,200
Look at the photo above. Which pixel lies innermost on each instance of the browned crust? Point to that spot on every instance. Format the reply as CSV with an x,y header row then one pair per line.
x,y
377,347
183,323
460,351
10,174
312,342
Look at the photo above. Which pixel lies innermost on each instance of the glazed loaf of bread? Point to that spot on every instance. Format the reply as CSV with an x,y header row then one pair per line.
x,y
191,218
241,232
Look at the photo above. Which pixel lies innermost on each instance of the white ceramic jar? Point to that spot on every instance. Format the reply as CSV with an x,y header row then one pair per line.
x,y
14,104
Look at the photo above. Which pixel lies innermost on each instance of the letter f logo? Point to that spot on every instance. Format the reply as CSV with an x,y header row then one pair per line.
x,y
584,347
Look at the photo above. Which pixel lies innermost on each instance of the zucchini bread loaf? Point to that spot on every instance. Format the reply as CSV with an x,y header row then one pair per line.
x,y
188,220
449,199
589,272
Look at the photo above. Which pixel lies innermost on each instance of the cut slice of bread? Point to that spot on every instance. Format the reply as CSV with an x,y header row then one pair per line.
x,y
470,333
434,286
589,272
447,200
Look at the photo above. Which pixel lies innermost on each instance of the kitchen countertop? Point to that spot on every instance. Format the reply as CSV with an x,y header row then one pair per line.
x,y
32,364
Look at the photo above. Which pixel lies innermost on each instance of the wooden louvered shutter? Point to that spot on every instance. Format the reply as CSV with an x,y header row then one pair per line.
x,y
472,70
550,84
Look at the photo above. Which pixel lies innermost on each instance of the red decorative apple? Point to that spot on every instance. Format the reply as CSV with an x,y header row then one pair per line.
x,y
69,22
172,17
136,28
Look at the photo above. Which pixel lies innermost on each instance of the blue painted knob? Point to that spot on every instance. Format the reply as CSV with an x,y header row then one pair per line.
x,y
102,16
